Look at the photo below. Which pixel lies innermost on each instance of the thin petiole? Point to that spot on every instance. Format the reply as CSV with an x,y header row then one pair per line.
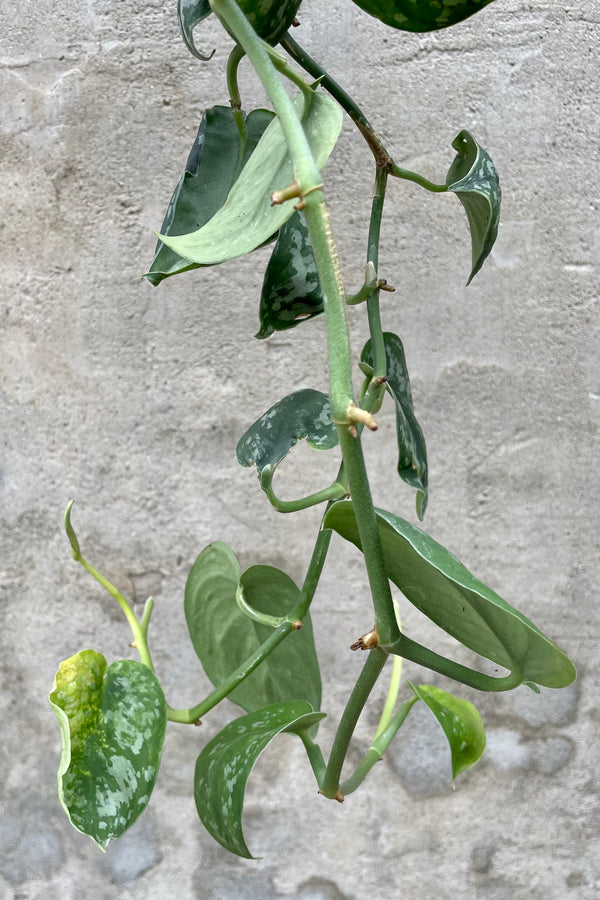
x,y
372,668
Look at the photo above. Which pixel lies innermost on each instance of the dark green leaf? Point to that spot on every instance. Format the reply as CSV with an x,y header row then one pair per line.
x,y
461,723
211,169
224,637
291,291
473,178
412,453
191,12
421,15
270,18
248,219
113,724
303,414
445,591
224,766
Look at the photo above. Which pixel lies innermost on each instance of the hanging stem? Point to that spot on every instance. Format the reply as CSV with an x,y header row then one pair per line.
x,y
373,310
308,177
138,630
378,748
374,663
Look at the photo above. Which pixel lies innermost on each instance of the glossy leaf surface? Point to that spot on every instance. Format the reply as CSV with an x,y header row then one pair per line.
x,y
291,291
224,637
248,219
444,590
269,18
113,723
225,764
190,13
303,414
473,178
412,453
461,723
211,169
421,15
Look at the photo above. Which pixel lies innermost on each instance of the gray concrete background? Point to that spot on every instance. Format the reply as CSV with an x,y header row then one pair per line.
x,y
131,399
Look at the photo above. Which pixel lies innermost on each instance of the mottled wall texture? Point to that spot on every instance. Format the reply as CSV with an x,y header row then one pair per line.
x,y
131,399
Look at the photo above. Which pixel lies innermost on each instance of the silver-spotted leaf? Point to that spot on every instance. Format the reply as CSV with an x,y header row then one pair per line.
x,y
248,219
421,15
303,414
213,165
113,723
412,453
224,637
474,179
190,13
291,291
269,18
225,764
434,581
461,723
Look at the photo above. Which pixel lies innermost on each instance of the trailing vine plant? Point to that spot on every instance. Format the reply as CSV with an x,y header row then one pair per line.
x,y
251,179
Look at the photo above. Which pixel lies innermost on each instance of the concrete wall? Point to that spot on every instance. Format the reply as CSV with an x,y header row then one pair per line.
x,y
131,399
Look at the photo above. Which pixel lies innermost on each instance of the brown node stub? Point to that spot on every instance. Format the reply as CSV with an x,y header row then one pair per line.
x,y
298,625
197,722
384,286
287,193
381,379
368,641
339,797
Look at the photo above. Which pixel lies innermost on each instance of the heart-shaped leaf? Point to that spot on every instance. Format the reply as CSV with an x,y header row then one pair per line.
x,y
248,219
473,178
190,13
224,637
291,291
113,723
224,766
303,414
421,15
412,453
461,723
444,590
211,170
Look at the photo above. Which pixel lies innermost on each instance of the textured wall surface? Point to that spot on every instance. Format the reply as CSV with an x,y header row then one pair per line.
x,y
131,399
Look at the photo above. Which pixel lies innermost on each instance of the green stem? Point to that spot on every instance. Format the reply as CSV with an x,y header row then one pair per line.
x,y
335,491
377,748
374,663
194,714
338,340
139,635
392,696
362,502
282,66
407,175
423,656
255,614
235,100
373,309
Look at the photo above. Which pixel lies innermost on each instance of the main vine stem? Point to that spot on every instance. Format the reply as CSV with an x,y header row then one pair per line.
x,y
341,396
